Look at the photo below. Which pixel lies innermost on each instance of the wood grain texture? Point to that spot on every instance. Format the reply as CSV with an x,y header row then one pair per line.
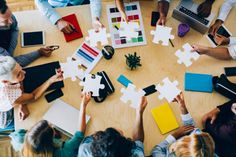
x,y
158,62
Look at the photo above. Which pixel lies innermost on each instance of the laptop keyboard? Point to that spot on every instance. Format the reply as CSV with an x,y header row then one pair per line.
x,y
193,15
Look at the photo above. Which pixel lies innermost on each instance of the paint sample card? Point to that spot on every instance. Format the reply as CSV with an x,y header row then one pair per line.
x,y
164,118
88,56
133,13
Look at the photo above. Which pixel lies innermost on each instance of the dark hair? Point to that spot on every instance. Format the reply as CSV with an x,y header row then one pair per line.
x,y
3,6
110,143
40,137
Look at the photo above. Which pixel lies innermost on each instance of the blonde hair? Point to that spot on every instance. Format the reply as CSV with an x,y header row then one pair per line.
x,y
39,141
194,145
7,64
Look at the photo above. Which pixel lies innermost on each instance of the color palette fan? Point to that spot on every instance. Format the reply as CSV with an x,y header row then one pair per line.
x,y
88,56
133,13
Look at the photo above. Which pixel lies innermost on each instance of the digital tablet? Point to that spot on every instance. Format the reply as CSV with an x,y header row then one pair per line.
x,y
221,31
32,38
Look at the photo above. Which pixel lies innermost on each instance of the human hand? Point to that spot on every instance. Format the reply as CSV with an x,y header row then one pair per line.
x,y
180,99
65,26
182,131
221,40
212,115
46,52
142,105
57,77
97,24
214,28
23,112
86,97
199,48
161,20
204,9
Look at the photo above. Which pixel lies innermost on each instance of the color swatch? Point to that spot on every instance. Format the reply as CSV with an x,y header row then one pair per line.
x,y
133,13
164,118
88,56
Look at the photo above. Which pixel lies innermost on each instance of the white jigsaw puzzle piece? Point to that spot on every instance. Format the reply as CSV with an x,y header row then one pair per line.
x,y
186,56
95,37
71,69
128,30
92,84
162,33
168,90
130,94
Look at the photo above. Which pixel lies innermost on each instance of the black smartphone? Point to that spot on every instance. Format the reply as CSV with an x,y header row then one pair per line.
x,y
149,90
155,18
54,95
230,71
222,31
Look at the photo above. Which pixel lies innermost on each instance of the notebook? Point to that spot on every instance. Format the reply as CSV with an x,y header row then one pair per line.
x,y
76,34
198,82
164,118
37,75
64,117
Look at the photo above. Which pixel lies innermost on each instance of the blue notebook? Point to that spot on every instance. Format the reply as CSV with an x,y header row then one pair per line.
x,y
198,82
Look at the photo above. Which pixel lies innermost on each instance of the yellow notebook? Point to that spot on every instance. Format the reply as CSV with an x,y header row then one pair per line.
x,y
164,118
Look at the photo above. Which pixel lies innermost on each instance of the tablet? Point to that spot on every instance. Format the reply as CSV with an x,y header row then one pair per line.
x,y
32,38
221,31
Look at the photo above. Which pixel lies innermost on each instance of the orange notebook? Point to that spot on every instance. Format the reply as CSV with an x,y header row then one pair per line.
x,y
76,34
164,118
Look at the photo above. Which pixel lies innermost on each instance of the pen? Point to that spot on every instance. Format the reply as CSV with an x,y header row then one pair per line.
x,y
171,43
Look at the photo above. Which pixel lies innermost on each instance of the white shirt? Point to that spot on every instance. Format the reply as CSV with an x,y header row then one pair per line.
x,y
224,11
232,51
8,95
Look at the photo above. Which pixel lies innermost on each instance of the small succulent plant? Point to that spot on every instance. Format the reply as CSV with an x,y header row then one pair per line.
x,y
133,61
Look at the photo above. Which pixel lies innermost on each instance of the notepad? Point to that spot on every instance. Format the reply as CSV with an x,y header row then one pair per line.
x,y
198,82
76,34
64,117
164,118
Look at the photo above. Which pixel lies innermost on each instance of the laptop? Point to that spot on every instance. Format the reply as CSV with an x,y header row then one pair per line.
x,y
186,12
64,117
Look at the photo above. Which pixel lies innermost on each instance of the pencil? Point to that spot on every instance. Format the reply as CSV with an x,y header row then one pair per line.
x,y
171,43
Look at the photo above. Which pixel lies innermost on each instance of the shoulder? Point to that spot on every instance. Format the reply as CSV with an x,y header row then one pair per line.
x,y
138,150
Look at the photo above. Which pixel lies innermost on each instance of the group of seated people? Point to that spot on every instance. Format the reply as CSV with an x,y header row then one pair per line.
x,y
218,138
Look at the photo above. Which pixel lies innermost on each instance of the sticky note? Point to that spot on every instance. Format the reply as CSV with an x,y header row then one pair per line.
x,y
165,118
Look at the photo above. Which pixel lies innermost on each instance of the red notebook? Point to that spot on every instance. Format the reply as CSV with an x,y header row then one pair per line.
x,y
76,34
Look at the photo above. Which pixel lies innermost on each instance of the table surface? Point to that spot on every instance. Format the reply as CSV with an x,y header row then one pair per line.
x,y
157,61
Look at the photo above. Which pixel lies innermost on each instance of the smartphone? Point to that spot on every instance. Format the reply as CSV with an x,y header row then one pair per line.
x,y
230,71
155,18
54,95
222,31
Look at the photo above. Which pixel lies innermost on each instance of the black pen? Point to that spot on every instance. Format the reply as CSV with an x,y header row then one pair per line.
x,y
171,43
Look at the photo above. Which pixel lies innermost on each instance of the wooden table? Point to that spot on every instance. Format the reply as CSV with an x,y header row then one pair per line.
x,y
157,62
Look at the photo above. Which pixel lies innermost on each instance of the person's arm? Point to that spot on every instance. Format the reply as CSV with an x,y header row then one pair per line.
x,y
218,53
95,7
14,36
161,149
121,8
204,9
185,115
46,9
38,92
163,8
138,131
232,41
82,114
225,9
223,13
